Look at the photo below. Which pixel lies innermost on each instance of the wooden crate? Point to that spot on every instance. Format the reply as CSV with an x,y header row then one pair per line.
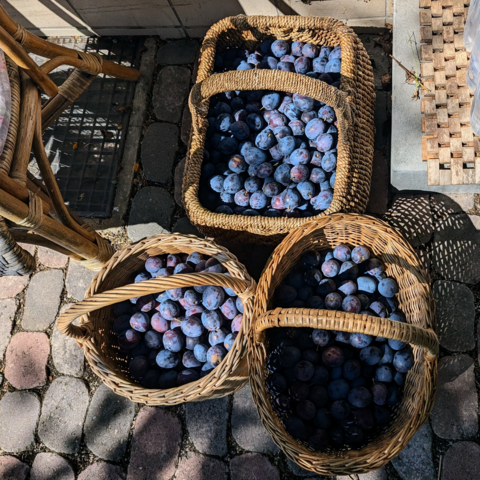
x,y
449,147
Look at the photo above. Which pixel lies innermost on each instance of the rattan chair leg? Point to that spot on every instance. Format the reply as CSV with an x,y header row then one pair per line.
x,y
14,260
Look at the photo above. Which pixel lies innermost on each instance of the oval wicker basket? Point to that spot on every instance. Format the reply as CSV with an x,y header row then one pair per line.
x,y
415,300
95,335
353,102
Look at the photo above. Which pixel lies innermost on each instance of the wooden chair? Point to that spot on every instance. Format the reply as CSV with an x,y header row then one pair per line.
x,y
33,211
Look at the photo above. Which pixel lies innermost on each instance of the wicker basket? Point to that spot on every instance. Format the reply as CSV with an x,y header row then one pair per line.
x,y
96,337
415,300
353,103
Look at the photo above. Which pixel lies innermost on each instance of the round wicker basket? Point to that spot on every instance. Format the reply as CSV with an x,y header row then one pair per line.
x,y
95,335
353,102
415,300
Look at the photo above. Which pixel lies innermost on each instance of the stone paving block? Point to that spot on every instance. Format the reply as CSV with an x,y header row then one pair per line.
x,y
63,414
412,216
42,300
183,225
26,360
252,466
170,93
78,280
108,423
51,258
28,247
455,313
378,199
19,413
446,204
415,461
12,468
208,436
475,219
180,52
155,445
67,356
186,125
159,147
151,213
379,474
298,470
102,471
455,243
200,467
50,466
8,307
10,287
455,413
247,429
462,462
179,171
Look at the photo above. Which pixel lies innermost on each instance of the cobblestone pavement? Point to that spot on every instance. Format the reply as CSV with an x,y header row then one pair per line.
x,y
58,421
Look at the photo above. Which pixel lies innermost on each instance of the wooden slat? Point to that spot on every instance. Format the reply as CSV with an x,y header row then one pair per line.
x,y
425,17
433,172
445,177
426,53
426,34
437,43
447,16
477,170
458,7
436,9
457,171
442,117
437,26
425,3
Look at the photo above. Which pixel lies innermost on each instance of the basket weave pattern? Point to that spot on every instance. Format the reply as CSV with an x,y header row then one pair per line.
x,y
415,300
353,104
96,337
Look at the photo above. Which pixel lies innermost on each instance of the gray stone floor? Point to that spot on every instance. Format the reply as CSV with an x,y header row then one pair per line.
x,y
57,421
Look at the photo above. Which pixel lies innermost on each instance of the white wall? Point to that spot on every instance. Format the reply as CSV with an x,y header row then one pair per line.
x,y
176,18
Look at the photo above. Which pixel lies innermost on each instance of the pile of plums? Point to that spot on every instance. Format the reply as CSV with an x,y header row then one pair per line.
x,y
332,389
272,153
182,334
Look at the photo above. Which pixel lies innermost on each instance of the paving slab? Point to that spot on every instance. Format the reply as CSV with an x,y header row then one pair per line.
x,y
12,468
186,125
455,314
455,243
159,147
151,213
10,287
170,93
19,413
180,52
178,181
102,471
8,307
183,225
408,171
298,470
462,462
78,280
208,436
378,200
155,445
415,461
26,360
63,414
51,258
380,474
108,423
42,300
449,203
455,413
200,467
252,465
50,466
247,429
67,356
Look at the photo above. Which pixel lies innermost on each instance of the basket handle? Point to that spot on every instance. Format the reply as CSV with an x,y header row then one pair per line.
x,y
351,323
241,287
262,80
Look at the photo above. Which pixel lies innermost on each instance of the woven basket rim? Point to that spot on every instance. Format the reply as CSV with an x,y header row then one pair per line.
x,y
375,454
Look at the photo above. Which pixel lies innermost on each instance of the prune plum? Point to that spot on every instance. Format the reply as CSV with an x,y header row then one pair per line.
x,y
269,62
367,284
176,294
159,323
138,367
265,139
325,287
280,48
360,397
254,156
304,370
340,409
339,389
342,253
324,142
333,66
206,369
323,200
348,287
316,302
393,395
312,356
323,418
266,45
299,173
399,379
285,66
387,354
232,183
240,130
320,377
194,258
258,200
254,122
153,339
379,394
352,369
310,50
343,337
321,337
173,340
297,48
296,428
382,415
299,391
237,323
364,418
265,170
187,376
360,340
351,304
228,145
212,320
333,356
190,342
192,297
319,64
375,267
286,145
216,183
297,127
276,383
213,297
379,309
291,199
153,264
217,337
240,116
300,156
306,410
223,122
396,344
271,101
140,322
332,180
190,361
121,324
142,276
403,361
169,310
216,354
167,359
370,355
244,66
329,161
360,254
254,59
314,128
312,277
164,272
388,287
192,327
288,58
303,103
290,357
182,268
327,113
229,341
252,184
330,268
333,301
302,65
383,374
200,352
335,53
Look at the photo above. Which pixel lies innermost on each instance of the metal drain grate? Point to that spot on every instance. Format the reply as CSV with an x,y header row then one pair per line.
x,y
85,144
